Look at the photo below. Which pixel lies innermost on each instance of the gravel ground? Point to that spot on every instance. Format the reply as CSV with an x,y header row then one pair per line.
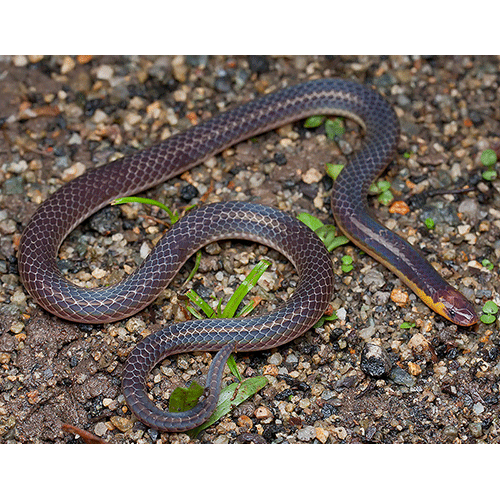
x,y
361,378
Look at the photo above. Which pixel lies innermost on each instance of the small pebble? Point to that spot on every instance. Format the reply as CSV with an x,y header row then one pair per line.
x,y
263,413
68,64
121,423
275,359
374,361
20,61
100,429
104,72
311,176
399,297
307,433
402,377
135,324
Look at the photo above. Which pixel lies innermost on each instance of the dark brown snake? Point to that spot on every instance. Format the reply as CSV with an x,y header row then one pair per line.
x,y
78,199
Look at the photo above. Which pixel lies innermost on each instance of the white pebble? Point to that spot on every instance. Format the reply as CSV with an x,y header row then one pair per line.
x,y
20,61
311,176
67,65
341,313
100,429
99,273
18,168
75,170
104,72
478,408
99,116
145,250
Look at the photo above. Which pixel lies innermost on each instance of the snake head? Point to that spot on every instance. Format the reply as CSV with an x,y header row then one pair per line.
x,y
454,306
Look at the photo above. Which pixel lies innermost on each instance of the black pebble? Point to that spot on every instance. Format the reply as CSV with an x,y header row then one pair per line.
x,y
374,361
189,192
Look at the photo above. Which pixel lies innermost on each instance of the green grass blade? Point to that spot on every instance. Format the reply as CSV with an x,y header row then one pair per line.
x,y
198,301
148,201
246,285
231,363
310,221
247,309
195,268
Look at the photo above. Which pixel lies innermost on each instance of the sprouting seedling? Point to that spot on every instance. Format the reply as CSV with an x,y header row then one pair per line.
x,y
489,159
326,232
334,128
490,309
429,223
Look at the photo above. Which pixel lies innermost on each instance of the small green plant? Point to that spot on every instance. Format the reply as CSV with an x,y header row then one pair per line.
x,y
347,266
487,264
333,170
489,159
380,188
324,319
326,232
430,223
406,325
383,191
230,310
333,128
490,309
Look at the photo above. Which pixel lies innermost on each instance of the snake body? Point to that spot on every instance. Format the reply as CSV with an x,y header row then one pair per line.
x,y
78,199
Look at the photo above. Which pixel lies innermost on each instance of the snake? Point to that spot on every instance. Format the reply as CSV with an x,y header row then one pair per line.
x,y
75,201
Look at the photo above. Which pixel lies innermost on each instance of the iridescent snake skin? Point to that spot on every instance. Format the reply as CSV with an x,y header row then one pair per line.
x,y
78,199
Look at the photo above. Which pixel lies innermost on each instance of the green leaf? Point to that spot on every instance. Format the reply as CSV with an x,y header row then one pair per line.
x,y
430,223
333,170
346,264
385,198
183,399
336,242
231,363
327,235
407,325
324,319
195,267
346,259
379,187
196,314
334,128
314,121
490,307
488,319
489,175
487,264
246,285
230,397
310,221
488,157
326,232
